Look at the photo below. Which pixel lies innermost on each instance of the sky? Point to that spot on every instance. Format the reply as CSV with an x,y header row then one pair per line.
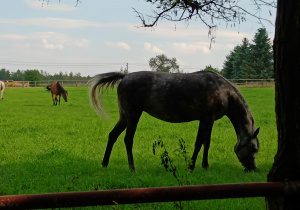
x,y
102,36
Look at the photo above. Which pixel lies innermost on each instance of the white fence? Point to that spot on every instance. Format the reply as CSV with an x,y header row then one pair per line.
x,y
82,83
253,82
65,83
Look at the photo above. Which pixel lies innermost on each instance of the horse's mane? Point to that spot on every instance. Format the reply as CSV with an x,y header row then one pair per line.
x,y
238,93
60,88
242,99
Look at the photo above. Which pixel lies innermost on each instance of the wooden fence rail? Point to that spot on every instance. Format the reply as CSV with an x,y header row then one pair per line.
x,y
149,195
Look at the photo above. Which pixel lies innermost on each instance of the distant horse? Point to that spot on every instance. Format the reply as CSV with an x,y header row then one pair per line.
x,y
57,90
2,87
176,98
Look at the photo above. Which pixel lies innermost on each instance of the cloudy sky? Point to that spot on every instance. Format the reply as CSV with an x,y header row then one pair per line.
x,y
101,36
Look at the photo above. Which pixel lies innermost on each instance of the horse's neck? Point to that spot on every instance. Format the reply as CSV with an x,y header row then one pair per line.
x,y
242,119
60,89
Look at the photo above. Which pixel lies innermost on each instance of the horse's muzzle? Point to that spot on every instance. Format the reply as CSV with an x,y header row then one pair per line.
x,y
250,165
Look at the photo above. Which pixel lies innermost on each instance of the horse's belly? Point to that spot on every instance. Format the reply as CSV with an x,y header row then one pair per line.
x,y
173,116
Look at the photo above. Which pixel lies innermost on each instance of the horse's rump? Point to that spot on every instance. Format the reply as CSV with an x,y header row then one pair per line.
x,y
2,87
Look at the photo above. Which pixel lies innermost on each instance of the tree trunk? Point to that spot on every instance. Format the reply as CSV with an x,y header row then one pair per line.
x,y
286,165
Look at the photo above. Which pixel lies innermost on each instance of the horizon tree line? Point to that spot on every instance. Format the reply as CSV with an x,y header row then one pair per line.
x,y
36,75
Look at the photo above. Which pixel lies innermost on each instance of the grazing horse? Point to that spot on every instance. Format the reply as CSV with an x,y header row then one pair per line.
x,y
2,87
175,97
57,90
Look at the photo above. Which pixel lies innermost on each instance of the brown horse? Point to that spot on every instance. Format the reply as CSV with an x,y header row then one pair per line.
x,y
57,90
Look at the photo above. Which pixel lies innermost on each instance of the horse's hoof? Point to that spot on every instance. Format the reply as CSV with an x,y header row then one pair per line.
x,y
192,167
250,170
205,166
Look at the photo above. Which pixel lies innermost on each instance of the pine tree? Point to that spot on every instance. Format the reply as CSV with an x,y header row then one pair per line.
x,y
227,66
234,65
250,61
261,57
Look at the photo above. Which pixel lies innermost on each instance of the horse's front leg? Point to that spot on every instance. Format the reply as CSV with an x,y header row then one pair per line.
x,y
203,137
55,100
112,138
59,99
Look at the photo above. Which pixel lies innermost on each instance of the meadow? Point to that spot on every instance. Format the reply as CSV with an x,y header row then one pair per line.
x,y
47,149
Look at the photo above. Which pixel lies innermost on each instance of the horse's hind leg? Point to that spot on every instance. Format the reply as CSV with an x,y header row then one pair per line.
x,y
53,99
112,138
203,137
59,100
131,128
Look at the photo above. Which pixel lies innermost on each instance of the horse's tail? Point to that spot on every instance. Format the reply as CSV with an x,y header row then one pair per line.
x,y
97,84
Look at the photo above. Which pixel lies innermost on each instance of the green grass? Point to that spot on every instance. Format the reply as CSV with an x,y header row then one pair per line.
x,y
46,149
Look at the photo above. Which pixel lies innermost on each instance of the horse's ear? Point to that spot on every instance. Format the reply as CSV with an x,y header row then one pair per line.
x,y
256,133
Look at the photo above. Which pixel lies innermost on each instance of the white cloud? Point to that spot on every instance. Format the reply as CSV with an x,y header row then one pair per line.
x,y
120,45
151,48
52,22
44,5
12,37
191,47
52,46
49,40
52,40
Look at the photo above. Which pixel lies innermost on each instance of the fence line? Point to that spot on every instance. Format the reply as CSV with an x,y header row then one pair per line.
x,y
149,195
253,82
82,83
44,83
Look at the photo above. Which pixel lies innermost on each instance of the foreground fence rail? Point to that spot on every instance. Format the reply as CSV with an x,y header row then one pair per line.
x,y
149,195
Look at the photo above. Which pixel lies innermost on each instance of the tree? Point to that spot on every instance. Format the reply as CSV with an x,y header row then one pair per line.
x,y
235,63
286,165
163,64
260,64
32,75
250,61
209,12
4,74
227,70
210,68
17,76
240,59
125,70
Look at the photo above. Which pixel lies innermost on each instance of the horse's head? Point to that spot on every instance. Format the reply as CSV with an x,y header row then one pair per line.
x,y
65,96
246,151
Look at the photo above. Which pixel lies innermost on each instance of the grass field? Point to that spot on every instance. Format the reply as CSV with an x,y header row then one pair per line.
x,y
45,149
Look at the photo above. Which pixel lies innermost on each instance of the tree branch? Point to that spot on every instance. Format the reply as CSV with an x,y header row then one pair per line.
x,y
220,10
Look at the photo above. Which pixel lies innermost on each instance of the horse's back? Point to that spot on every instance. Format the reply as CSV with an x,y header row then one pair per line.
x,y
175,97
